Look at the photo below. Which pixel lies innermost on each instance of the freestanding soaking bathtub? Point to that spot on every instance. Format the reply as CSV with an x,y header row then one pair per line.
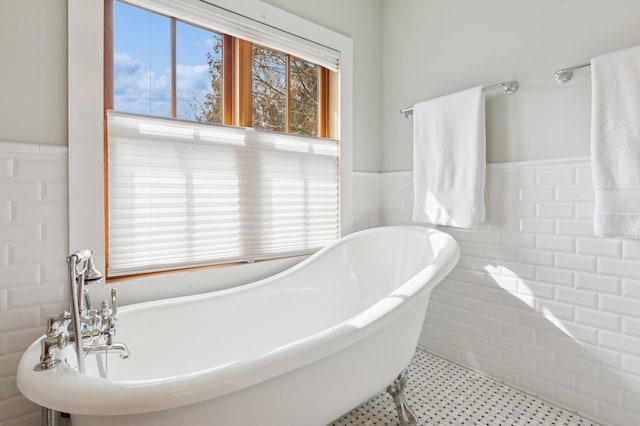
x,y
299,348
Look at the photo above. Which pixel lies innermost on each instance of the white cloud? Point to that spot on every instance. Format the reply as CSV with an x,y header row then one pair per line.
x,y
193,84
193,79
141,90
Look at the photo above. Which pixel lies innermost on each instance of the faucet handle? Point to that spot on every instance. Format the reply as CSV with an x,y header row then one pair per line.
x,y
114,302
111,330
55,323
107,313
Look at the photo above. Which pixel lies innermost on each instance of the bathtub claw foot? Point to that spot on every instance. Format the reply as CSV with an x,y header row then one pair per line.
x,y
50,417
406,416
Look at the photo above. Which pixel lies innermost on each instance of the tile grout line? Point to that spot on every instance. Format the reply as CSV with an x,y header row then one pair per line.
x,y
461,396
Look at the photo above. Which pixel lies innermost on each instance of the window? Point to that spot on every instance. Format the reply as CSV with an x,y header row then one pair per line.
x,y
285,93
166,67
269,89
199,190
199,74
140,84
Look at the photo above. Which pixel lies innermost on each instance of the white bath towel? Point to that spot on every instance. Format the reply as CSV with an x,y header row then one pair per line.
x,y
615,142
449,159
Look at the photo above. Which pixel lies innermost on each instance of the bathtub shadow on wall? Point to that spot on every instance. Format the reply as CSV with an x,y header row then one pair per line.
x,y
486,317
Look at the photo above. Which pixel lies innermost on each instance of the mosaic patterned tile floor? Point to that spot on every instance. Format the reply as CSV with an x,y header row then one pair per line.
x,y
443,393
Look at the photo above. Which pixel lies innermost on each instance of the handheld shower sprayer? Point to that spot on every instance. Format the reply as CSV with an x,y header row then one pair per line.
x,y
81,270
85,266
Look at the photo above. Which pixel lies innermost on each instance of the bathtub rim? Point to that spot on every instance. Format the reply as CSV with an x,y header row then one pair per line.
x,y
140,396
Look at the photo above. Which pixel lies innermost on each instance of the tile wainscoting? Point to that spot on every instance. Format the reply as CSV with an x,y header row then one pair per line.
x,y
366,200
536,300
33,247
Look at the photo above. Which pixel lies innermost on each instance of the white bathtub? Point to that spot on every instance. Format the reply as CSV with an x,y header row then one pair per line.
x,y
299,348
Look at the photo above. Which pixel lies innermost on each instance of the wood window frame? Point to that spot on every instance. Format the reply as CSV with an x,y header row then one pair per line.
x,y
237,98
174,56
109,102
229,79
85,86
324,103
244,89
289,112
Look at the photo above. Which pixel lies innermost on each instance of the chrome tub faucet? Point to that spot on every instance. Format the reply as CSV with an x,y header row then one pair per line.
x,y
90,330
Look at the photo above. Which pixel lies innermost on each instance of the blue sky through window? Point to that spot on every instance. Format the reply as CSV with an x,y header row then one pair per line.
x,y
192,70
142,62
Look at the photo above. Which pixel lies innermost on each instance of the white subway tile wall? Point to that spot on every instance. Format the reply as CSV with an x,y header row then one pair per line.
x,y
537,300
366,200
33,248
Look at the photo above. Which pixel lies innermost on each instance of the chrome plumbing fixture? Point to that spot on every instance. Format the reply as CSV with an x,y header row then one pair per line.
x,y
90,330
406,416
566,74
510,87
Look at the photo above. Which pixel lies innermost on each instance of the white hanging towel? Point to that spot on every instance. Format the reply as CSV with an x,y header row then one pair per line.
x,y
615,142
449,159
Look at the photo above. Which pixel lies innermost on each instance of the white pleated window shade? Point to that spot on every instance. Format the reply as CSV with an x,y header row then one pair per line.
x,y
186,194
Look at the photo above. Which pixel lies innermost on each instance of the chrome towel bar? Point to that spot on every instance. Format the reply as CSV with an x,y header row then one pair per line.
x,y
510,87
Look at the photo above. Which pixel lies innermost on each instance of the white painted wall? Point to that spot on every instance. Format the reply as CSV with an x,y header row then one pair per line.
x,y
360,20
435,47
33,74
33,78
